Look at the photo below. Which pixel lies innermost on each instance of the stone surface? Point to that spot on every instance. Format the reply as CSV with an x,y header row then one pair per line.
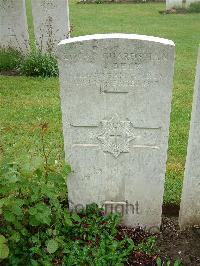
x,y
116,97
190,201
51,23
174,4
13,25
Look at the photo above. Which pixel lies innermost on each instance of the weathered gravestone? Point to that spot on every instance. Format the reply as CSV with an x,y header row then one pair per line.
x,y
116,97
51,23
190,202
174,4
13,25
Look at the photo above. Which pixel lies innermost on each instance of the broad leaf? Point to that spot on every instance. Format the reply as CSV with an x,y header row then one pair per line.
x,y
52,246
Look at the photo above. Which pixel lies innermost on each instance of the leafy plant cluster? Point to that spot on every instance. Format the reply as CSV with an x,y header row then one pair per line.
x,y
37,64
31,205
9,59
37,229
34,64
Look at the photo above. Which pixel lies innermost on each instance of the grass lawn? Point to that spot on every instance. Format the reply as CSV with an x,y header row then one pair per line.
x,y
27,102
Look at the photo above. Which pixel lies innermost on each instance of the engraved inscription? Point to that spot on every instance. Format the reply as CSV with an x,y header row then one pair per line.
x,y
11,32
125,60
121,83
115,60
102,90
116,136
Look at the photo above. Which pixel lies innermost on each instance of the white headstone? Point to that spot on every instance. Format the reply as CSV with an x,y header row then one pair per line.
x,y
116,97
190,201
13,25
174,4
51,23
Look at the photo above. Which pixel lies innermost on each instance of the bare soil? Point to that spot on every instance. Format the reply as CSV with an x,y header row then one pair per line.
x,y
9,73
173,244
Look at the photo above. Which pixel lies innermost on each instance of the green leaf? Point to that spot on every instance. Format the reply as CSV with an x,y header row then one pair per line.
x,y
48,191
4,250
52,246
158,262
32,211
33,221
2,239
16,210
2,202
177,263
24,231
34,263
9,216
67,218
37,162
76,218
40,214
67,169
39,173
36,250
15,237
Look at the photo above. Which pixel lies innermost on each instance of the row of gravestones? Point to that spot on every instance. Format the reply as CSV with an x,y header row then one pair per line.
x,y
179,3
116,92
50,19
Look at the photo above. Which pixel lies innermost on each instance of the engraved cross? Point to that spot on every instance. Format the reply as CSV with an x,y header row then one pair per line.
x,y
116,136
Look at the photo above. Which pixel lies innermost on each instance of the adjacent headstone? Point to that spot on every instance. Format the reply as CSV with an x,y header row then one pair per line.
x,y
13,25
116,97
174,4
51,23
188,2
190,201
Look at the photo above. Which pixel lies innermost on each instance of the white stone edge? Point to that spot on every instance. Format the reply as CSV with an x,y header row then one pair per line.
x,y
117,36
183,212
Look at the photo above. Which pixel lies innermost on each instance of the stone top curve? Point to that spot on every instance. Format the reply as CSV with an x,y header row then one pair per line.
x,y
117,36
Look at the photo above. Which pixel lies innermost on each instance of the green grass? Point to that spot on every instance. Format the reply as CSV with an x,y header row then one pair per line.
x,y
27,102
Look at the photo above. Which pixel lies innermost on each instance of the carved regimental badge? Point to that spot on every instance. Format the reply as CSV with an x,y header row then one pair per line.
x,y
116,136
